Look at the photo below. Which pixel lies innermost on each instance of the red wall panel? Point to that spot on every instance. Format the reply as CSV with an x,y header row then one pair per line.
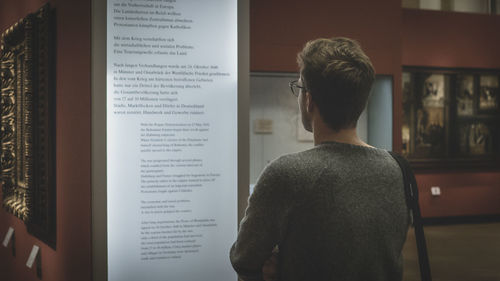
x,y
445,39
72,259
279,29
462,194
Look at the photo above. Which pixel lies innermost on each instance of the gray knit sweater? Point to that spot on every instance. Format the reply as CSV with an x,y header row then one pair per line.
x,y
336,211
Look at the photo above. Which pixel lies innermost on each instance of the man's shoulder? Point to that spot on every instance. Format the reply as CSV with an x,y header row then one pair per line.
x,y
296,163
334,159
295,159
291,171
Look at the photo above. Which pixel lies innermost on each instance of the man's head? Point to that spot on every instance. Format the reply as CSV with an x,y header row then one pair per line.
x,y
338,75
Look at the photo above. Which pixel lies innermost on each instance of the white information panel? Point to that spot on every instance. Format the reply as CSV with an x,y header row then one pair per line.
x,y
171,139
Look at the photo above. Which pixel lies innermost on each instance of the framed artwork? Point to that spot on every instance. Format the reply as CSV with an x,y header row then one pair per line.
x,y
450,117
430,116
488,98
476,138
27,123
465,95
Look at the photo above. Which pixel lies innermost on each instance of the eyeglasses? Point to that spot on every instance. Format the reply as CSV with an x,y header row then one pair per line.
x,y
295,87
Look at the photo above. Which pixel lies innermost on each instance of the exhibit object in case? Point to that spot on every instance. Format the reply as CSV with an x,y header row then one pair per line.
x,y
451,117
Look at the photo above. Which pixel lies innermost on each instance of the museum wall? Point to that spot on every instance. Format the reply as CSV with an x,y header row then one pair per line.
x,y
392,37
465,40
279,29
72,258
447,39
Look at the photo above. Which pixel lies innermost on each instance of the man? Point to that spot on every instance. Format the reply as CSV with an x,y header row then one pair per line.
x,y
336,211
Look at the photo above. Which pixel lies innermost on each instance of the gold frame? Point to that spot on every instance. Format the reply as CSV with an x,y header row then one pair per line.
x,y
27,123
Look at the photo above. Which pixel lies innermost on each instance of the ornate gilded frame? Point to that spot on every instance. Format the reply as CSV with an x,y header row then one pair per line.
x,y
27,124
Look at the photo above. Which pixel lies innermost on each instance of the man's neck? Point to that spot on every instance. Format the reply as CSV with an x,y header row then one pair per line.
x,y
322,133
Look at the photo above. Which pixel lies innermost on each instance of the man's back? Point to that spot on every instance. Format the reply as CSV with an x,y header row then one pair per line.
x,y
337,212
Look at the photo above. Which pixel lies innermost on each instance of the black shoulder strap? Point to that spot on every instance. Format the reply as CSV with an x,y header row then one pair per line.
x,y
411,192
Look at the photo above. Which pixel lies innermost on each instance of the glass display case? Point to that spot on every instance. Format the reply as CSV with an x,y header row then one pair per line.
x,y
451,117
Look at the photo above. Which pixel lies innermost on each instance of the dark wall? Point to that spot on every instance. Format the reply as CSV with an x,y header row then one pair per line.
x,y
463,193
279,29
72,259
445,39
392,37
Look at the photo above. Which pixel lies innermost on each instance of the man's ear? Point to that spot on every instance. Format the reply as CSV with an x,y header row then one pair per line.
x,y
309,103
